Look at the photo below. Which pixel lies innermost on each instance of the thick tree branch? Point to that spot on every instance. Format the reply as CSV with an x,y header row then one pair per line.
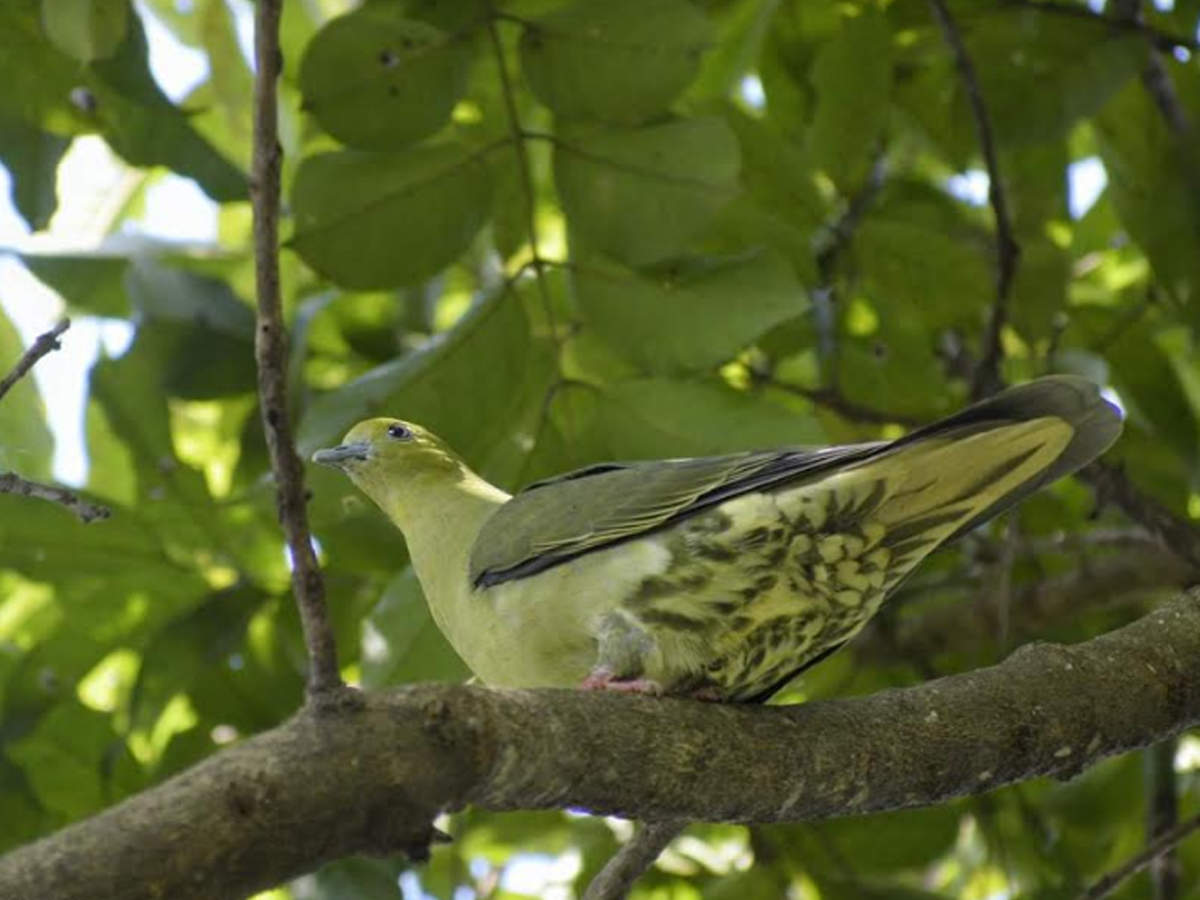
x,y
368,777
86,510
271,355
1163,844
986,378
45,343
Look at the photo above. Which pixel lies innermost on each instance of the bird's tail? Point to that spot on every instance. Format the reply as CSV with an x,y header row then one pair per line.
x,y
942,480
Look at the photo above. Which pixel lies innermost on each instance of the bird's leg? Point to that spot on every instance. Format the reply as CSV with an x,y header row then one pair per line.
x,y
602,678
622,646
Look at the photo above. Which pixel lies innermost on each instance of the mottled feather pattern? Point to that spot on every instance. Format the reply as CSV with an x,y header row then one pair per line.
x,y
765,582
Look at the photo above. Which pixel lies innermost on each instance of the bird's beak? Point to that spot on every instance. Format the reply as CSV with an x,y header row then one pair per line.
x,y
338,456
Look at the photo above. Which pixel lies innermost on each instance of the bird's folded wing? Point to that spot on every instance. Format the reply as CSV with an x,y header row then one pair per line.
x,y
561,518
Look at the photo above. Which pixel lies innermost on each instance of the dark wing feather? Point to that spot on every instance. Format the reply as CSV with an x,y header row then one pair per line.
x,y
559,519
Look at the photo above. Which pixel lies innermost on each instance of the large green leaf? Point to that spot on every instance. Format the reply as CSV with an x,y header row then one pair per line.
x,y
86,29
852,77
400,641
641,194
489,357
31,157
25,442
692,314
94,283
377,80
1155,188
373,220
620,61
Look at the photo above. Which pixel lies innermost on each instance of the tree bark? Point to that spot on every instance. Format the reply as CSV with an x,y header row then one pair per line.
x,y
368,774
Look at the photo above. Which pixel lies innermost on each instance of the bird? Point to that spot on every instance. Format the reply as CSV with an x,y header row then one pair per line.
x,y
717,578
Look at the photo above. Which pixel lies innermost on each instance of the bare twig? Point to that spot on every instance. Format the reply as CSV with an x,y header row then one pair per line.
x,y
1163,41
1162,813
271,357
44,344
833,399
1163,844
1155,78
1113,486
87,511
986,377
635,857
10,482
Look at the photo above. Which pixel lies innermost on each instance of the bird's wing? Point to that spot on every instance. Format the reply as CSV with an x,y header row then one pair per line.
x,y
558,519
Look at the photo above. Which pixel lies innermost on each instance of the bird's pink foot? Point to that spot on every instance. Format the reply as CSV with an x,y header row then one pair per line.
x,y
601,679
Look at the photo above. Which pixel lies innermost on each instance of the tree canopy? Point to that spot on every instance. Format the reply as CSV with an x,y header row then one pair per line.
x,y
558,233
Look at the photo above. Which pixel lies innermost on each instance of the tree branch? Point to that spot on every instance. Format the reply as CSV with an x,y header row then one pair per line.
x,y
1113,486
87,511
986,377
10,482
1162,813
1035,609
1164,844
271,354
636,856
44,344
368,776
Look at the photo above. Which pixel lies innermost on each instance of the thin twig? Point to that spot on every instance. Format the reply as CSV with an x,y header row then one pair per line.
x,y
1162,813
44,344
271,357
1113,486
87,511
986,377
635,857
1155,78
1163,41
1163,844
848,409
525,173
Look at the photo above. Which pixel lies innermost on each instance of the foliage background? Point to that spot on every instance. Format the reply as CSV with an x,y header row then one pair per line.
x,y
563,232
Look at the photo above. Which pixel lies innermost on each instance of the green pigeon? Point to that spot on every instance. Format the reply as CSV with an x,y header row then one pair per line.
x,y
718,577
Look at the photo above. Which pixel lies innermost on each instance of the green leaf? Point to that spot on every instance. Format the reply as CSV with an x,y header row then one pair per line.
x,y
74,761
640,195
620,61
940,277
1039,73
692,314
852,77
86,29
146,129
653,418
489,357
401,643
91,283
1155,188
379,81
25,442
374,220
31,157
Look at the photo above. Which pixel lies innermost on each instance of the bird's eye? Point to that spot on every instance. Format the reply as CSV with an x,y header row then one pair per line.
x,y
400,432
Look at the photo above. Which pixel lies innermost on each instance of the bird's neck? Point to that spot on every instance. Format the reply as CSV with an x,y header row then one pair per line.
x,y
440,518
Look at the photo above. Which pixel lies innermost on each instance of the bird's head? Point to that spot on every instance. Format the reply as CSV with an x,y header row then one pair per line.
x,y
379,453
